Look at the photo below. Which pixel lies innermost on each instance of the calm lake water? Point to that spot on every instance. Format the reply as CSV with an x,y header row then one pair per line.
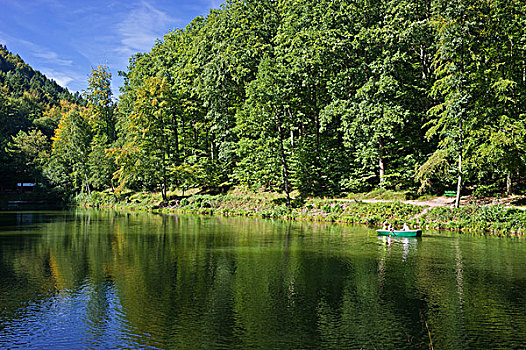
x,y
105,279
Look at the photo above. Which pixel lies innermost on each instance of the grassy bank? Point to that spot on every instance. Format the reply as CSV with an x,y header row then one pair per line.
x,y
262,204
495,219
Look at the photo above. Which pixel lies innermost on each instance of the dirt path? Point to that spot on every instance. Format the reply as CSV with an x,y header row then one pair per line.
x,y
433,203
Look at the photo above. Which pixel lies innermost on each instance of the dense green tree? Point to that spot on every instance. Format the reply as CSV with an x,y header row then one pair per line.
x,y
30,151
265,127
100,111
26,96
332,96
456,62
308,42
499,149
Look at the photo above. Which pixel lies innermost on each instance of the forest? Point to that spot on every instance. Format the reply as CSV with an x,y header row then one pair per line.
x,y
322,97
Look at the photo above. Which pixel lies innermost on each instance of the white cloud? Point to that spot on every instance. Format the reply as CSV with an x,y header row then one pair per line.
x,y
142,26
66,78
62,79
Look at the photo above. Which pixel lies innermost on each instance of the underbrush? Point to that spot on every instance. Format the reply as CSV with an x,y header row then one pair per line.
x,y
491,218
358,212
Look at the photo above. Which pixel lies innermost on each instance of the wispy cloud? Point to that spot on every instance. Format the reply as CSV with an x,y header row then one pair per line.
x,y
116,33
62,72
63,78
63,39
141,27
47,55
215,3
52,57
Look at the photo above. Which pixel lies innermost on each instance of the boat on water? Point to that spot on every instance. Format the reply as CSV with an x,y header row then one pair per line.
x,y
400,233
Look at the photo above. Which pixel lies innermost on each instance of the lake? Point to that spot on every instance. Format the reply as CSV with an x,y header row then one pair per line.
x,y
120,280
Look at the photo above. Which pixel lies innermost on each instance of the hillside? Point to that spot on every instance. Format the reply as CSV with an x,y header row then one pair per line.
x,y
18,77
28,100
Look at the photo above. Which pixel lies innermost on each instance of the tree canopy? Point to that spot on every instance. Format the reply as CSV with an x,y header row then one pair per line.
x,y
323,97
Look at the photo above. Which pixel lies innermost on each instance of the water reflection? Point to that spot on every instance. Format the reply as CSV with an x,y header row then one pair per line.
x,y
103,279
407,245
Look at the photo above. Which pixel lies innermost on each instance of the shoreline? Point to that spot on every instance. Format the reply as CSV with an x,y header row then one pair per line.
x,y
482,219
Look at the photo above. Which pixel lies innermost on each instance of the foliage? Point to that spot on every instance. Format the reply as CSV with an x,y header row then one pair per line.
x,y
30,151
320,97
71,148
99,102
328,97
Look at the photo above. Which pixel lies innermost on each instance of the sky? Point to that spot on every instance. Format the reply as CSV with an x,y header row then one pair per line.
x,y
64,39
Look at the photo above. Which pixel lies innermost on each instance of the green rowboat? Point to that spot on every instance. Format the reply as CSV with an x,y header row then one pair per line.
x,y
395,233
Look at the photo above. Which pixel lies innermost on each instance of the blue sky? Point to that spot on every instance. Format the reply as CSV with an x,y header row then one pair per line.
x,y
63,39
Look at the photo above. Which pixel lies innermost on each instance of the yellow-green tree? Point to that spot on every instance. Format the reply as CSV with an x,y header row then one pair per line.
x,y
70,150
100,102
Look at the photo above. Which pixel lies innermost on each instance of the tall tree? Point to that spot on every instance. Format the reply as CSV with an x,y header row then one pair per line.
x,y
148,150
455,67
268,119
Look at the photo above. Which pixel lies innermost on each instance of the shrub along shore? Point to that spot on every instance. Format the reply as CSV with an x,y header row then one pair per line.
x,y
494,219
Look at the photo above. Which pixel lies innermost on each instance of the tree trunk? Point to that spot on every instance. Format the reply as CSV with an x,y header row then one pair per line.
x,y
283,160
461,126
165,182
176,139
88,189
459,184
317,122
508,183
423,62
381,162
164,150
292,144
212,151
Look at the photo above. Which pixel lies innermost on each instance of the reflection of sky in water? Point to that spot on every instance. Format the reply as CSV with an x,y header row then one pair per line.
x,y
89,317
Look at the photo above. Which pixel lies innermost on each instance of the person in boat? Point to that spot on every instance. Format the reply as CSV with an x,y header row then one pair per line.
x,y
385,225
406,228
